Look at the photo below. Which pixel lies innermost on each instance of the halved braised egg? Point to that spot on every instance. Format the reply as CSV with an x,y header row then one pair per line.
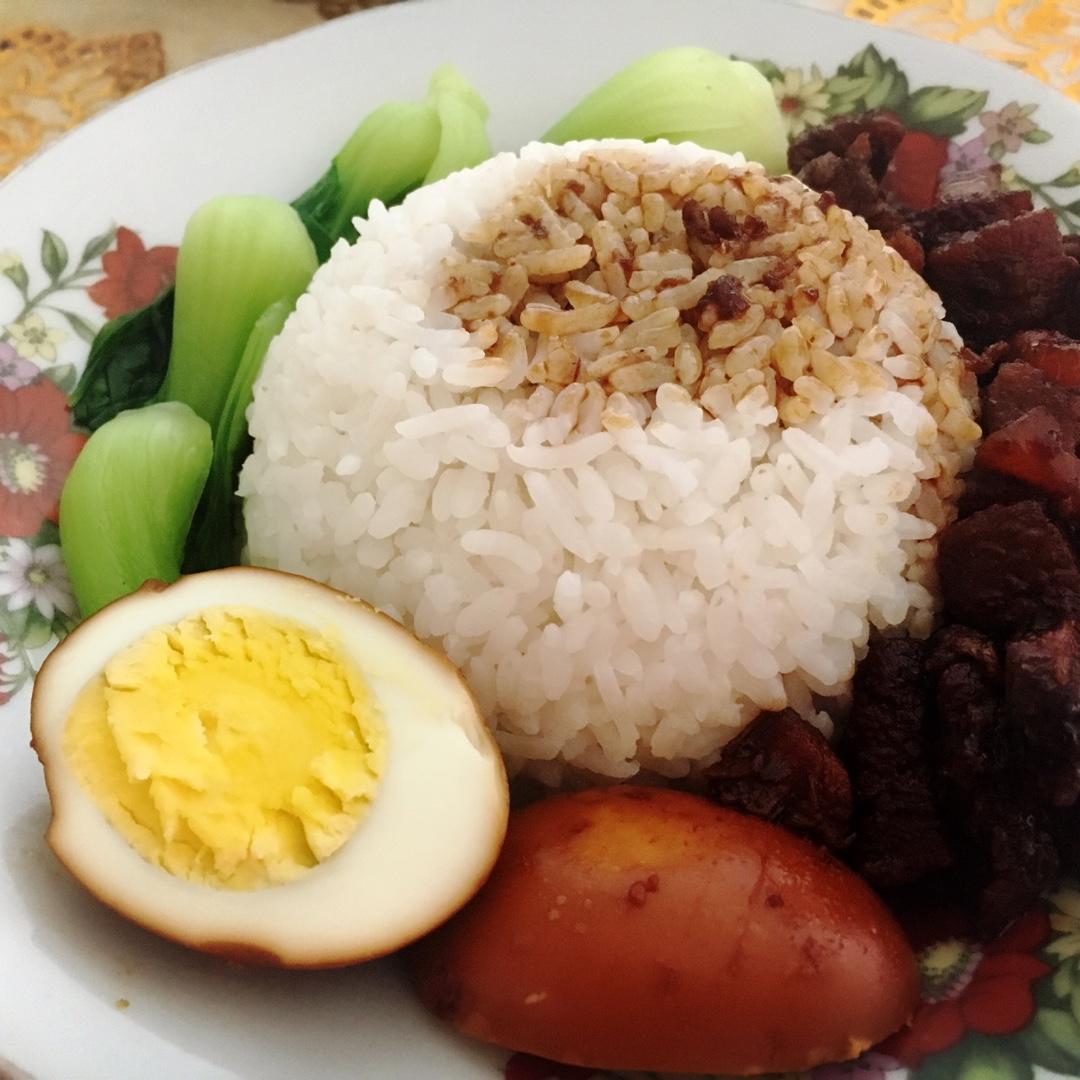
x,y
259,766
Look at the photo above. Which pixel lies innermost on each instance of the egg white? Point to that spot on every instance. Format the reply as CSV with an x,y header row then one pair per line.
x,y
425,845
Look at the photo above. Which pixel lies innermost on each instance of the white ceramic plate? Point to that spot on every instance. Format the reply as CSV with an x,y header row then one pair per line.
x,y
83,995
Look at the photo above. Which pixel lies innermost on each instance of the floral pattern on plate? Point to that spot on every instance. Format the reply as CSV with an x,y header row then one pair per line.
x,y
38,444
950,130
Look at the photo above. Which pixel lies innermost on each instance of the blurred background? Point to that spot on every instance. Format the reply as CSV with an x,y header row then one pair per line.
x,y
60,61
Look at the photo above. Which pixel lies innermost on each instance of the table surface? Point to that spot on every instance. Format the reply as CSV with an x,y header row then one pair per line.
x,y
61,62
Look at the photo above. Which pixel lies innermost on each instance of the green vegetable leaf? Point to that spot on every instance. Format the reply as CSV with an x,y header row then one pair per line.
x,y
217,534
390,153
126,365
54,254
942,110
127,505
684,93
239,254
385,158
1037,136
80,326
1069,178
318,208
96,246
18,276
64,377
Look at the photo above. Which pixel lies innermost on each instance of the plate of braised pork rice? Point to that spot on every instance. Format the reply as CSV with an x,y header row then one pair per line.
x,y
541,541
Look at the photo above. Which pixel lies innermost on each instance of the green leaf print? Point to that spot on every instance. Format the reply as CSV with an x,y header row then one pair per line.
x,y
63,376
994,1059
867,81
1069,178
18,276
54,254
1052,1040
80,326
942,110
96,246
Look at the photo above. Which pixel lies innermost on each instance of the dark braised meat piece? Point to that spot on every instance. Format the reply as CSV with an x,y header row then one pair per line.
x,y
1064,826
782,769
957,644
1005,849
849,178
1020,860
968,736
1009,276
959,215
1035,449
1056,355
883,133
990,358
899,836
1042,686
1069,319
983,488
1018,388
1008,568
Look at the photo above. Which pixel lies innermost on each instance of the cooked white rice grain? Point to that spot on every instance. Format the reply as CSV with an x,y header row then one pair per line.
x,y
639,480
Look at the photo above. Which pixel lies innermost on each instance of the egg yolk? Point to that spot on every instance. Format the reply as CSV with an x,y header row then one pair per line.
x,y
237,748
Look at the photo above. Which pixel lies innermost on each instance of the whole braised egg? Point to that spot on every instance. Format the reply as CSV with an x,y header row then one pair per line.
x,y
258,766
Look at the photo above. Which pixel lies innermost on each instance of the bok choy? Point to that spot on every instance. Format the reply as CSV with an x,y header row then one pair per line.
x,y
396,148
217,534
240,254
128,501
684,94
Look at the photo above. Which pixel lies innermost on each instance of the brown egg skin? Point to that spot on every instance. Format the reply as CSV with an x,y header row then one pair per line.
x,y
639,928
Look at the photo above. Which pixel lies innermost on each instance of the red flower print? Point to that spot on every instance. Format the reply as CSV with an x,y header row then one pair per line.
x,y
134,275
995,999
527,1067
37,450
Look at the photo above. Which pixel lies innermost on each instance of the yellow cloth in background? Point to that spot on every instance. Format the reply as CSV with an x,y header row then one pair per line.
x,y
1041,37
61,62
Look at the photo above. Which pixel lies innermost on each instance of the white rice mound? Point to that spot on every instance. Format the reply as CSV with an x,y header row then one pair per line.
x,y
627,566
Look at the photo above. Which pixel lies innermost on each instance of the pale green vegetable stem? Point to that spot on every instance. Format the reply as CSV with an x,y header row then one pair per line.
x,y
239,254
385,158
684,93
128,501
